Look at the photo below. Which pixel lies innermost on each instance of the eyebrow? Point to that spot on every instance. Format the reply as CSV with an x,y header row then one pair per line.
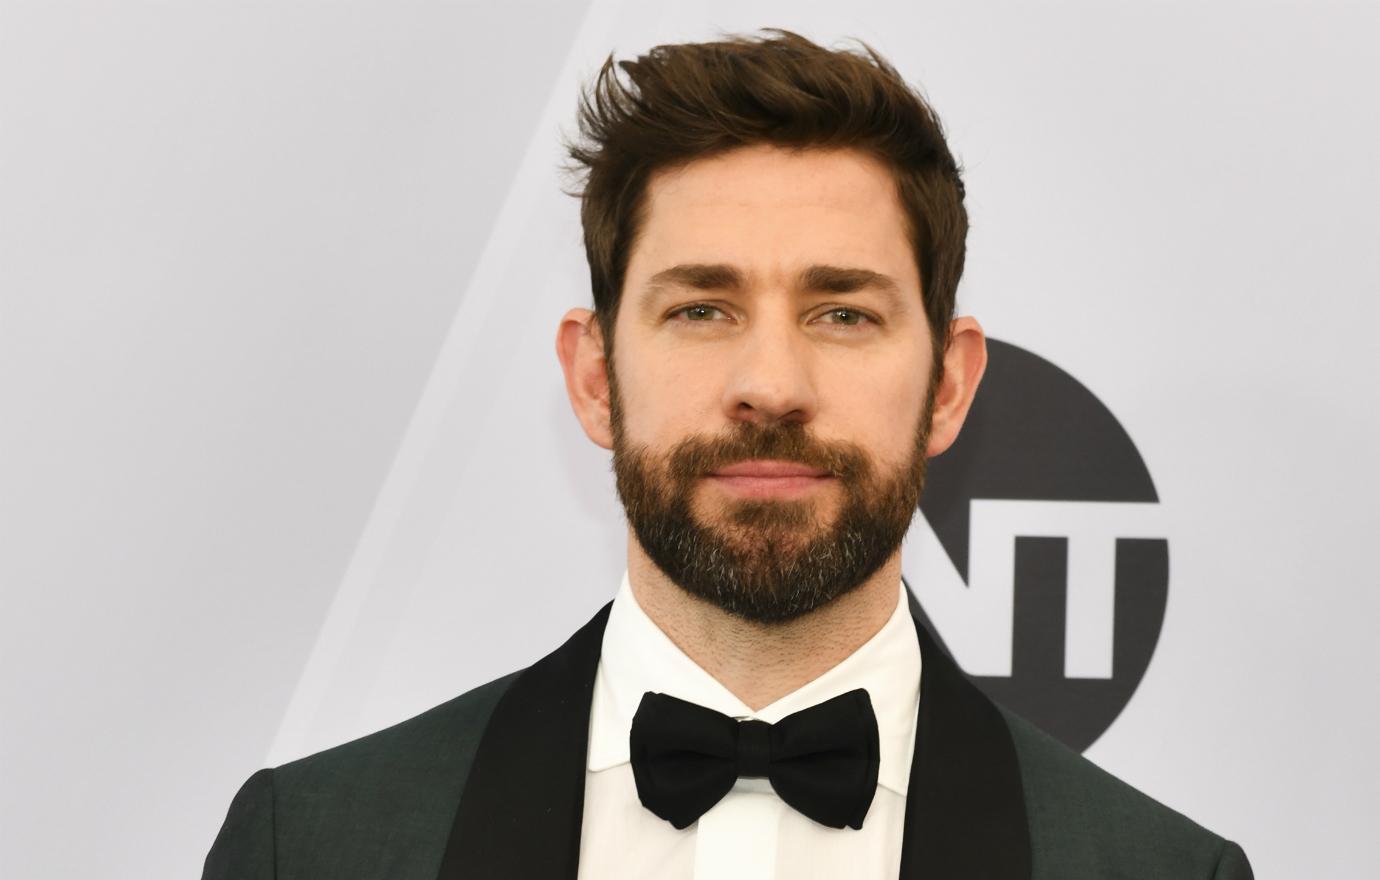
x,y
838,279
814,279
699,276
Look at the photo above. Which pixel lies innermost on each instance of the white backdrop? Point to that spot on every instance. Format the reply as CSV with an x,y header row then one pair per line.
x,y
285,455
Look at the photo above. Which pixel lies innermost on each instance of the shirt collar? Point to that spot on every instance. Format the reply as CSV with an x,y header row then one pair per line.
x,y
638,657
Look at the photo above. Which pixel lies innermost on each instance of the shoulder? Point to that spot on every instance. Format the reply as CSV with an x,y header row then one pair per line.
x,y
442,737
380,805
1086,822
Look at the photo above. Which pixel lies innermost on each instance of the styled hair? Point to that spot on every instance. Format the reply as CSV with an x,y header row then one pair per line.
x,y
688,101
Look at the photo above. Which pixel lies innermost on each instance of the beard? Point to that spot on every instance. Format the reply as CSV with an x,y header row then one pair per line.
x,y
765,560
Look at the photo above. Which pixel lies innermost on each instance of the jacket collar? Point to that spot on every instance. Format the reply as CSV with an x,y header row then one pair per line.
x,y
520,813
965,813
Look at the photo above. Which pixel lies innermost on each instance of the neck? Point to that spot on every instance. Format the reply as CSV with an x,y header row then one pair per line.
x,y
760,663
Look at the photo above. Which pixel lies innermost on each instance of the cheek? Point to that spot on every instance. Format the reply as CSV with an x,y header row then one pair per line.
x,y
664,402
880,412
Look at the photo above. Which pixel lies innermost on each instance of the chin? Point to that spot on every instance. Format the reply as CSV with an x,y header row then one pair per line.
x,y
763,518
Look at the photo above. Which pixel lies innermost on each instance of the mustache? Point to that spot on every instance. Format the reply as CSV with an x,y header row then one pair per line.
x,y
698,455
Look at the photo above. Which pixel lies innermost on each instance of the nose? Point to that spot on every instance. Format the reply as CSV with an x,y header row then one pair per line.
x,y
770,377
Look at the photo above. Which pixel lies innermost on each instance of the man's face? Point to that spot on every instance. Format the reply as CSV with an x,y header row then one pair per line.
x,y
771,378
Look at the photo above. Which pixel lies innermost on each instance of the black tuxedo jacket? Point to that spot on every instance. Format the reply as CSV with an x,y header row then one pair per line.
x,y
491,785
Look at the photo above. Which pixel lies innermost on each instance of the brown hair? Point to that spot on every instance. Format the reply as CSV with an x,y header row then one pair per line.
x,y
687,101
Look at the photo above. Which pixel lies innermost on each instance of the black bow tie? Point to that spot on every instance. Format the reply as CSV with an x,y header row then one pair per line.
x,y
822,761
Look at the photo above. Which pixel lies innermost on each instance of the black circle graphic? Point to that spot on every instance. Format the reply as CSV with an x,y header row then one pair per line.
x,y
1036,433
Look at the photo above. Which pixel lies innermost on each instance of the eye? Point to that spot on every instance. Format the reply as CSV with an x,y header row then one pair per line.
x,y
846,316
697,312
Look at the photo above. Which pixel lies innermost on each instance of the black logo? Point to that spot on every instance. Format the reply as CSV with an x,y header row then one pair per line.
x,y
1044,510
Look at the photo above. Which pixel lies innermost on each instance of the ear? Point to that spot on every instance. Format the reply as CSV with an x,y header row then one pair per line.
x,y
580,347
965,360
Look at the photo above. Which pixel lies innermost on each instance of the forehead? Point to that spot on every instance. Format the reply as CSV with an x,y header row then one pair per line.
x,y
769,209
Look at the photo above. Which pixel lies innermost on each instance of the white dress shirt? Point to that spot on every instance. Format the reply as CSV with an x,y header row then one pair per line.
x,y
751,833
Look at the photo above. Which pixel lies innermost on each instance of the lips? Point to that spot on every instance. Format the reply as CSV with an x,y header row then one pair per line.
x,y
779,480
769,470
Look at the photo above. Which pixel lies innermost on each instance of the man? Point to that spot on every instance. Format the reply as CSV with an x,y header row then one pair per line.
x,y
775,233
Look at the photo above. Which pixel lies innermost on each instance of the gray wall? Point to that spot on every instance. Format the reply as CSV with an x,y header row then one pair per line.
x,y
285,455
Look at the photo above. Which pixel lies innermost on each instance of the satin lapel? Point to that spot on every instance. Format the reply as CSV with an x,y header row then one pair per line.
x,y
520,812
965,809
